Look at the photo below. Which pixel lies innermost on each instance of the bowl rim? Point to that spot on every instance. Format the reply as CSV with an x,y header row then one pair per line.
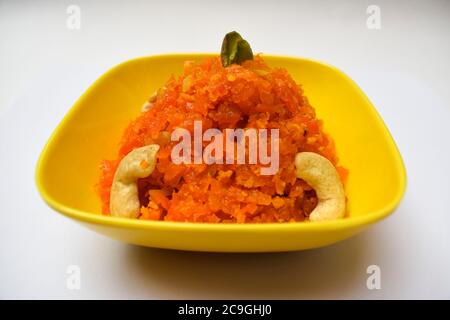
x,y
100,219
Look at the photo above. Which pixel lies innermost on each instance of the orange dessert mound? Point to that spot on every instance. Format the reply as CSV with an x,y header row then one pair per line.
x,y
251,95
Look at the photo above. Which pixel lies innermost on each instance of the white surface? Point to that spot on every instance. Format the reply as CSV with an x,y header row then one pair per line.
x,y
403,68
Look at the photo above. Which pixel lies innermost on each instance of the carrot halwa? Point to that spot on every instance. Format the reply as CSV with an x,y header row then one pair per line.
x,y
250,95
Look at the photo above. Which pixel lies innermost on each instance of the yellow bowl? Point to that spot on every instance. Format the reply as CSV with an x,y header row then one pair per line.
x,y
68,167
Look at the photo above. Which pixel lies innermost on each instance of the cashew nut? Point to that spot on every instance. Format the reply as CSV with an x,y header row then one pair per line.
x,y
322,176
146,106
139,163
149,103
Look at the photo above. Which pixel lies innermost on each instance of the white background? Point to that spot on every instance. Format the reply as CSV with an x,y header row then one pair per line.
x,y
403,68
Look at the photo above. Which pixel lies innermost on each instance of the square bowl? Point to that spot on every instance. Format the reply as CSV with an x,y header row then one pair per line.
x,y
67,170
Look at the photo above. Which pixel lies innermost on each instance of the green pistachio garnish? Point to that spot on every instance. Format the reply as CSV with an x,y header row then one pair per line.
x,y
235,49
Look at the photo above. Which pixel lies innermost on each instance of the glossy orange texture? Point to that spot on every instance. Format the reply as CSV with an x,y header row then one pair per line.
x,y
68,167
249,96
